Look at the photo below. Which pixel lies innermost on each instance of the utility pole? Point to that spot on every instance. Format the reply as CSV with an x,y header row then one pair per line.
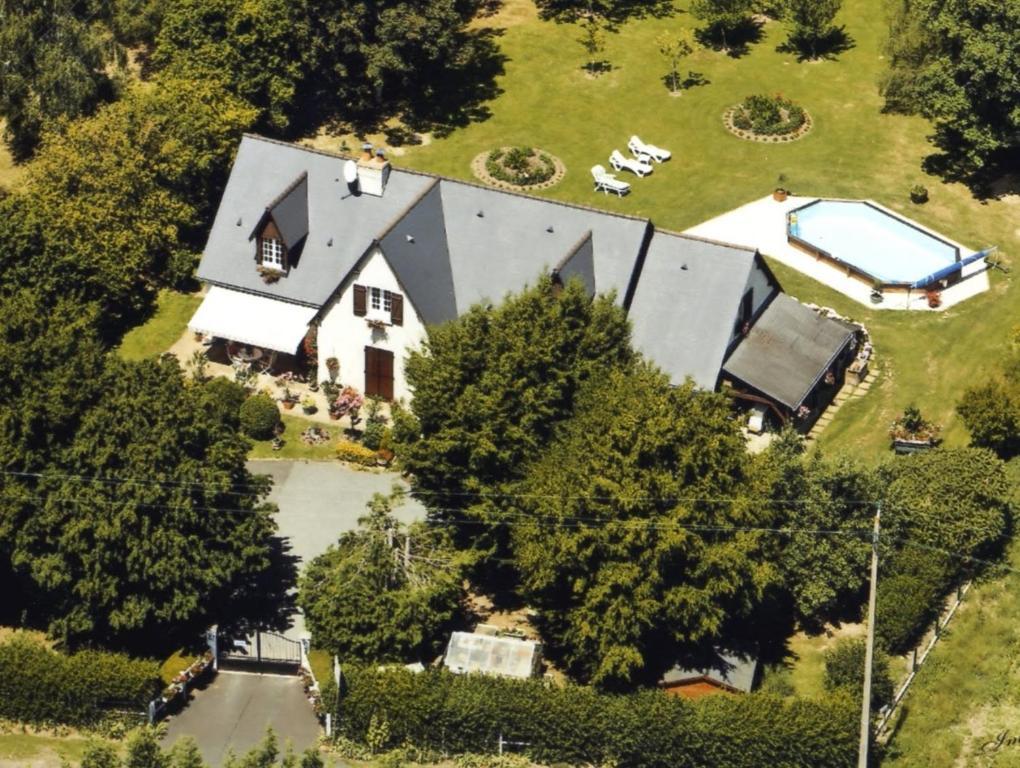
x,y
869,652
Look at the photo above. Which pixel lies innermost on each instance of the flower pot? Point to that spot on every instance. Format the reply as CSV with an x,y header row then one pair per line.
x,y
334,416
288,405
780,195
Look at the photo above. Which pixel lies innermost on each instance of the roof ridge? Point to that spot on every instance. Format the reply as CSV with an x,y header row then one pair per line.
x,y
700,239
406,210
303,176
452,180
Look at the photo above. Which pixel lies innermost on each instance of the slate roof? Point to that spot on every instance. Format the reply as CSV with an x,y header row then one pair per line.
x,y
731,670
787,351
686,302
579,263
290,212
341,226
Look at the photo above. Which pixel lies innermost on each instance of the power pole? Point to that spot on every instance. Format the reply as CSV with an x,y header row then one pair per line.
x,y
869,652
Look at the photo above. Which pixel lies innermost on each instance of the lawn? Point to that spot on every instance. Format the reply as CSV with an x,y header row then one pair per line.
x,y
159,332
39,750
854,150
293,446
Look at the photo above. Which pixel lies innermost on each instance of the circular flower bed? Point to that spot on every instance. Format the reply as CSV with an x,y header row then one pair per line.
x,y
518,168
767,118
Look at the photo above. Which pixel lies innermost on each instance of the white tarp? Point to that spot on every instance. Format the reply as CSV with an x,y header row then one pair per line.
x,y
251,319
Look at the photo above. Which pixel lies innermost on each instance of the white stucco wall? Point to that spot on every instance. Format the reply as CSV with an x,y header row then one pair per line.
x,y
344,335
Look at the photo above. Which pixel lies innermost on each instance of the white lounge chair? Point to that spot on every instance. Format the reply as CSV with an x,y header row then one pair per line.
x,y
607,182
641,166
638,147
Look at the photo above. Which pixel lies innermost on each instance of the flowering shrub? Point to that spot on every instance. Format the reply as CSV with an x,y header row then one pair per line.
x,y
520,166
768,115
356,453
349,401
913,426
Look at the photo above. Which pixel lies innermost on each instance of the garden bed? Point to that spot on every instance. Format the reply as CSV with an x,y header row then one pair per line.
x,y
767,119
508,167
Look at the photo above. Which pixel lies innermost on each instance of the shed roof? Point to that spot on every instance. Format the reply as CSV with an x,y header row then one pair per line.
x,y
686,302
787,351
492,655
730,670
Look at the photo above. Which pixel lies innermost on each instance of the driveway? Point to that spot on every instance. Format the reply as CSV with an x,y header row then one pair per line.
x,y
320,500
233,711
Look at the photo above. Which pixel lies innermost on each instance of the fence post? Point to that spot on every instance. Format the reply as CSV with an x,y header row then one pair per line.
x,y
329,725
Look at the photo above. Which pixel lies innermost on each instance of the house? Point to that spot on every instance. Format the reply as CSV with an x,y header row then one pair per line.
x,y
729,672
370,256
490,654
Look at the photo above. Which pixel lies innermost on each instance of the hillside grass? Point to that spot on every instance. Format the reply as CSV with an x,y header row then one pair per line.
x,y
156,335
854,150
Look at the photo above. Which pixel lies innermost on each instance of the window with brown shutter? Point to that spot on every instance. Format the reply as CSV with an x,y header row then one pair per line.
x,y
396,309
360,301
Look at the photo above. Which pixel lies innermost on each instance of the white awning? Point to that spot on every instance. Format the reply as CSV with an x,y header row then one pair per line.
x,y
251,319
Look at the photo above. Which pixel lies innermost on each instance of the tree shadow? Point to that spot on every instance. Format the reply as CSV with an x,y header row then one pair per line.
x,y
828,46
267,600
734,41
692,80
615,13
596,68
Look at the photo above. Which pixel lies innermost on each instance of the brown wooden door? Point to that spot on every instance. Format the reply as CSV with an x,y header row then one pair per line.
x,y
379,373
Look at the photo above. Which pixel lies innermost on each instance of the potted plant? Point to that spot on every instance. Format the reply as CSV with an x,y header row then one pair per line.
x,y
911,432
288,399
780,193
333,367
268,275
876,296
918,194
308,405
934,296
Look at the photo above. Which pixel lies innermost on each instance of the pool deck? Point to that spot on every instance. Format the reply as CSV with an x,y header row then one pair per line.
x,y
762,224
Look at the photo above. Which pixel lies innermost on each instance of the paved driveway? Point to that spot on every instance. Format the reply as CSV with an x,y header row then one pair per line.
x,y
232,713
320,500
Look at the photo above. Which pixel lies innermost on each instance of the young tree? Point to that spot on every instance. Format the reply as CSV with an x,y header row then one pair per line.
x,y
491,387
144,751
51,66
675,48
722,16
593,40
623,532
810,21
991,412
383,592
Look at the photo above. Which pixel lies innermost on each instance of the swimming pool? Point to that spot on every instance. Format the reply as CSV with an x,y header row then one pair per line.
x,y
874,243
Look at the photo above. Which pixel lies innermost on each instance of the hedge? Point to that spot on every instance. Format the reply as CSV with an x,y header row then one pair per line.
x,y
456,714
41,686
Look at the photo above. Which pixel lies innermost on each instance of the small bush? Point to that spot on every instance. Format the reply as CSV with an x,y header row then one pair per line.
x,y
373,434
259,417
356,453
521,166
768,115
844,670
918,194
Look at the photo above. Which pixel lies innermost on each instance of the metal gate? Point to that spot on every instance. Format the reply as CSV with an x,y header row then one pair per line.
x,y
262,652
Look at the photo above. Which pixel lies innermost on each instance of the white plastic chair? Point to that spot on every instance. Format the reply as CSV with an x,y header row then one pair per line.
x,y
607,182
642,167
638,147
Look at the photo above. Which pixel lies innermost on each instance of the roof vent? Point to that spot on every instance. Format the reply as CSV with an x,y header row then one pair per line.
x,y
480,214
410,238
238,222
549,229
683,267
329,243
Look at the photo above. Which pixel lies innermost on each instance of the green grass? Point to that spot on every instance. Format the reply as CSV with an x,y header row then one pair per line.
x,y
322,665
174,664
158,333
294,447
854,150
41,750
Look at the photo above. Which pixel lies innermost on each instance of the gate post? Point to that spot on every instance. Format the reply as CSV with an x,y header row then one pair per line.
x,y
212,641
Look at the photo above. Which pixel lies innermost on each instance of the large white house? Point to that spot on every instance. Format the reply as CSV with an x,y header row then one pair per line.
x,y
372,255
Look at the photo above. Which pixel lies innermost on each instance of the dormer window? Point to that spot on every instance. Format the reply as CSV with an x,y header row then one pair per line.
x,y
272,253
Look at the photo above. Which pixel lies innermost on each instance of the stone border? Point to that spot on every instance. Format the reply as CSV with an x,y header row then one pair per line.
x,y
740,133
480,172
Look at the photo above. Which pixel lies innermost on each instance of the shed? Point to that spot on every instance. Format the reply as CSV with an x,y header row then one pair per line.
x,y
492,655
732,672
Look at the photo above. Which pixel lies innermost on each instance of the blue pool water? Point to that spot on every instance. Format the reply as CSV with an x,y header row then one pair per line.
x,y
877,243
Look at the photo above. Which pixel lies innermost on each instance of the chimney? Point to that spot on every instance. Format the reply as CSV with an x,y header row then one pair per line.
x,y
373,171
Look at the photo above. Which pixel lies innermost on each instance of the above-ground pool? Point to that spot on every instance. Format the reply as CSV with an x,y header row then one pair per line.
x,y
874,243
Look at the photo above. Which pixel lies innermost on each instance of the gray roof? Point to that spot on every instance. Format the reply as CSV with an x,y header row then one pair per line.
x,y
341,226
417,251
731,670
580,263
787,351
290,211
686,303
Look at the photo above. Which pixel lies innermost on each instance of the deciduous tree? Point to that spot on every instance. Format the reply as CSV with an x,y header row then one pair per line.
x,y
722,16
810,22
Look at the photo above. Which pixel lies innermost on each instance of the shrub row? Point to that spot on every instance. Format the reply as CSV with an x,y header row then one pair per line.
x,y
41,686
455,714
